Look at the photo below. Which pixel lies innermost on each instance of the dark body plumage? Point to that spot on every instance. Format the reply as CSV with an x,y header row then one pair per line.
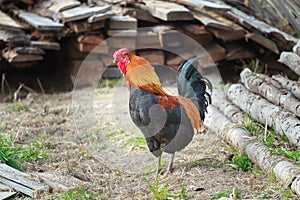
x,y
165,129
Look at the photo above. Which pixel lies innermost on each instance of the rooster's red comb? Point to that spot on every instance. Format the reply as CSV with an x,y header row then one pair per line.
x,y
119,53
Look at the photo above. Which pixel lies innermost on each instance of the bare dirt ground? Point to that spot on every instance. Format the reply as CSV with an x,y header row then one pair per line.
x,y
92,144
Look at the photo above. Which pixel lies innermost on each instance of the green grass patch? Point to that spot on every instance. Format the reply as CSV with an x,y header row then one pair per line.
x,y
291,154
9,153
13,155
241,160
135,142
226,193
263,195
78,193
16,106
34,151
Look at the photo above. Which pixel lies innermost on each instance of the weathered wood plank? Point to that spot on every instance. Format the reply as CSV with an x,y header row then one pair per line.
x,y
285,40
100,16
122,23
40,23
222,28
6,35
264,41
6,195
7,23
81,12
91,43
87,48
20,182
90,39
176,60
148,39
85,26
202,4
29,50
198,33
167,11
153,56
4,188
13,57
120,42
48,45
123,33
141,14
60,6
216,52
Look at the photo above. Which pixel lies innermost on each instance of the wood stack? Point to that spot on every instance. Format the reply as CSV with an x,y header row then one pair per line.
x,y
270,100
151,28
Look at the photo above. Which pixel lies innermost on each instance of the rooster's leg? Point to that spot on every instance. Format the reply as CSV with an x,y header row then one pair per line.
x,y
171,163
158,165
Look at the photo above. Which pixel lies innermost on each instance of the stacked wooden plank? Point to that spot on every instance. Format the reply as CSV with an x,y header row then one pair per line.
x,y
158,30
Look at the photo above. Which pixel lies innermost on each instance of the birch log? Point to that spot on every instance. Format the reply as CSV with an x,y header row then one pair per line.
x,y
262,110
292,86
296,48
292,60
278,97
285,170
232,111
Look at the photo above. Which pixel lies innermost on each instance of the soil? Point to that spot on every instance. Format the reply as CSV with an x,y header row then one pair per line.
x,y
92,143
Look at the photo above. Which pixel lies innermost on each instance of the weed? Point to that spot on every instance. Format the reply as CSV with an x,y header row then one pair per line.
x,y
242,161
226,193
1,126
270,140
77,193
286,193
136,142
158,193
16,106
264,195
182,194
195,163
108,83
162,193
291,154
9,153
272,179
34,151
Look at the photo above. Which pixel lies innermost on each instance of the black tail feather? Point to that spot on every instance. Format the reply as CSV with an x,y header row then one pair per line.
x,y
192,85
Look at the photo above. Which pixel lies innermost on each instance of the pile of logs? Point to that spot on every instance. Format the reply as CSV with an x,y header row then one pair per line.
x,y
270,100
29,31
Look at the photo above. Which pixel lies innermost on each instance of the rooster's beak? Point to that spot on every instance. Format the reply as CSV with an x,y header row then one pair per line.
x,y
115,61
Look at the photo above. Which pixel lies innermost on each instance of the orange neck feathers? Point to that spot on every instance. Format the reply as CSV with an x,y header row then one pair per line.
x,y
140,73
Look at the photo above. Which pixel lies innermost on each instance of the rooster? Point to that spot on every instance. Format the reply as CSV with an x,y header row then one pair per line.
x,y
168,122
